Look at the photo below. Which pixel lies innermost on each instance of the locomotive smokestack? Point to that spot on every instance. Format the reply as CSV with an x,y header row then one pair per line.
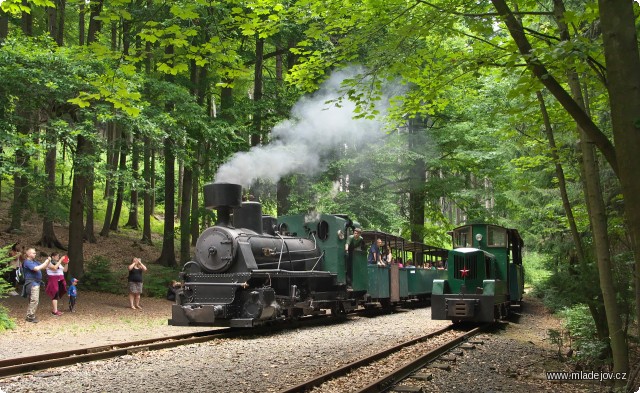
x,y
224,197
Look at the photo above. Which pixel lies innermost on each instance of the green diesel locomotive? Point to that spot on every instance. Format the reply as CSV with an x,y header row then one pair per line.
x,y
485,275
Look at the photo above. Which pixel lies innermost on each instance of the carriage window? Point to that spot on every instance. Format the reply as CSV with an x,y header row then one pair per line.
x,y
462,237
323,230
496,237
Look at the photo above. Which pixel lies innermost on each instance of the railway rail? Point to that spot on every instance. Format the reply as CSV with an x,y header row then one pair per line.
x,y
26,364
389,380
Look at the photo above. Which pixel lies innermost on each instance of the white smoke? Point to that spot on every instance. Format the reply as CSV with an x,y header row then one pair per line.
x,y
300,145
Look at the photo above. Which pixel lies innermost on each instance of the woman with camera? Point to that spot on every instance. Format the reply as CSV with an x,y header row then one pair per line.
x,y
135,282
56,284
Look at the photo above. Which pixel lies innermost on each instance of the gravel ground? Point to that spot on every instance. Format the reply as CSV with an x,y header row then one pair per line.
x,y
514,360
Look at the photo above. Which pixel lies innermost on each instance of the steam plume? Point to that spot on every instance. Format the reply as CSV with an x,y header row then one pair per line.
x,y
300,145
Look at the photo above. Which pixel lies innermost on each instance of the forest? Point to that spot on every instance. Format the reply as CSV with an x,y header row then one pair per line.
x,y
413,116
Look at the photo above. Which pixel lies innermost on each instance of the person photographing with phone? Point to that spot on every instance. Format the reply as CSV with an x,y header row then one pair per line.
x,y
56,284
136,268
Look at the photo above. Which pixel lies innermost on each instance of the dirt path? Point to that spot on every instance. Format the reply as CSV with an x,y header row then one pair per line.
x,y
100,319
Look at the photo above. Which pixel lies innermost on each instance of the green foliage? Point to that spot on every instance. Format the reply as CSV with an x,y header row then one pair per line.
x,y
6,323
535,267
5,287
157,279
566,287
581,328
100,277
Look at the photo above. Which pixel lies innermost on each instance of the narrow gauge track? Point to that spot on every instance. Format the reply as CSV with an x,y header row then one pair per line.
x,y
389,380
26,364
9,367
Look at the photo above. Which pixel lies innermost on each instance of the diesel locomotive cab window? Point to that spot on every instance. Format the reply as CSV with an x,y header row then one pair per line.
x,y
462,237
496,237
323,230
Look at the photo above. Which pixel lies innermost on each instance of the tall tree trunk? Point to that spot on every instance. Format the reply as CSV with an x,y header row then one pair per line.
x,y
152,181
48,238
195,205
283,191
417,179
180,176
24,125
95,23
81,23
4,26
61,5
256,134
185,216
120,193
112,174
168,255
27,20
52,22
146,176
89,232
620,39
81,166
133,221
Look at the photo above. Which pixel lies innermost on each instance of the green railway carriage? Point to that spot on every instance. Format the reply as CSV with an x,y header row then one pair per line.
x,y
397,282
485,275
371,285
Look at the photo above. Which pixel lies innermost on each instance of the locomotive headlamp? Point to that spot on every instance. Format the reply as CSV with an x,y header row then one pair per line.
x,y
479,237
340,234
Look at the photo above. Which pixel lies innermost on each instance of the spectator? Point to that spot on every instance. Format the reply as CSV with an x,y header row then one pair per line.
x,y
13,264
73,294
353,242
174,288
33,279
388,258
56,285
135,282
375,257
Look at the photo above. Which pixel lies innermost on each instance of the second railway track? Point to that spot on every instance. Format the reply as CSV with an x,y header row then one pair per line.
x,y
366,375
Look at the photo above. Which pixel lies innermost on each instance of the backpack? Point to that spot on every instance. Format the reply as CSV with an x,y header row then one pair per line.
x,y
20,275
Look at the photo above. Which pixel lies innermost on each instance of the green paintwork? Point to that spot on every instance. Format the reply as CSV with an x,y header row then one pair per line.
x,y
420,281
378,282
332,246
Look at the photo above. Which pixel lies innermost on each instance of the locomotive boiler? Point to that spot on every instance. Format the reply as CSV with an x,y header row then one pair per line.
x,y
248,270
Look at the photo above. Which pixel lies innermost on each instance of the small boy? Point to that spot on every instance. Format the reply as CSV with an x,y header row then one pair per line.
x,y
72,292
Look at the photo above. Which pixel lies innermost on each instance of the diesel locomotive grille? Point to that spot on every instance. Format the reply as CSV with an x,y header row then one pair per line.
x,y
465,267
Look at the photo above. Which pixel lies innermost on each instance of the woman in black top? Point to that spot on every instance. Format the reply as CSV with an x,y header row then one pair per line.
x,y
135,282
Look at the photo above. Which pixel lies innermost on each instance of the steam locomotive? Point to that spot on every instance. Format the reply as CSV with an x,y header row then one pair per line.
x,y
251,269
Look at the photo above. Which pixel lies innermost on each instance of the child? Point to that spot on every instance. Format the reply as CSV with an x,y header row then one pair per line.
x,y
73,292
